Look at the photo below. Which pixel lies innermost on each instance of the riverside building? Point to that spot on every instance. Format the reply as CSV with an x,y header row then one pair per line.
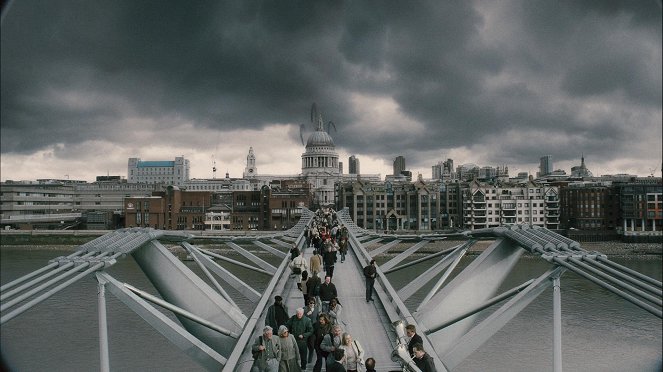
x,y
161,171
431,205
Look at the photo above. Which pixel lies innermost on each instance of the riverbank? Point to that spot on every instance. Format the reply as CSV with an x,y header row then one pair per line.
x,y
612,248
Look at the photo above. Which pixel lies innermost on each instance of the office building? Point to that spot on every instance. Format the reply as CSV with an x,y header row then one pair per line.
x,y
399,165
158,172
545,165
589,206
353,165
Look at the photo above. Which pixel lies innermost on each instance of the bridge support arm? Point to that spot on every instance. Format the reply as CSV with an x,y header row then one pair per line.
x,y
196,349
248,292
471,341
557,325
103,328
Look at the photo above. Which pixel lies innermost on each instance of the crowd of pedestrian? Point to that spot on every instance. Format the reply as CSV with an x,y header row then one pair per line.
x,y
317,328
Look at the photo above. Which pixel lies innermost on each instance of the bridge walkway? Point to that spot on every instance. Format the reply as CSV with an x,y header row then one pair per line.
x,y
366,322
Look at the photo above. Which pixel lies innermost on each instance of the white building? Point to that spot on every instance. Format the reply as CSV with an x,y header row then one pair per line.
x,y
486,206
160,171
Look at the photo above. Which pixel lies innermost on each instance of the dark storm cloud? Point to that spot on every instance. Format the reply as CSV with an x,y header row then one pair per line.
x,y
468,73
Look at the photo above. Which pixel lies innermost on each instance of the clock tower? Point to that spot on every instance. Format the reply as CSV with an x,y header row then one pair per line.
x,y
250,171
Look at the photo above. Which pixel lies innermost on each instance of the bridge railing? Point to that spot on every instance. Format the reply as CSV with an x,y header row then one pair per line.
x,y
448,316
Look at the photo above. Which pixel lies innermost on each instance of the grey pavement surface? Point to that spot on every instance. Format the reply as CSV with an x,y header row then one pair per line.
x,y
366,322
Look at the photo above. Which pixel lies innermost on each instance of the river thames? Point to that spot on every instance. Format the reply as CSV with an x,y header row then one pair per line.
x,y
601,331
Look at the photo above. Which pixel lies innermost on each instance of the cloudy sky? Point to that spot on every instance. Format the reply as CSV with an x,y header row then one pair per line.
x,y
88,84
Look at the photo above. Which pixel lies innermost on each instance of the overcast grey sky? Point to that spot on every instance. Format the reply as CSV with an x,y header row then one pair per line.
x,y
88,84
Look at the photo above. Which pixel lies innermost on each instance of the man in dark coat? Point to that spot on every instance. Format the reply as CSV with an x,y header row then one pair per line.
x,y
301,327
411,332
327,292
370,273
336,365
277,314
423,361
320,329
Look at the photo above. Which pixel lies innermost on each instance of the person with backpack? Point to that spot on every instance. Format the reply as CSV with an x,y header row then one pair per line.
x,y
266,352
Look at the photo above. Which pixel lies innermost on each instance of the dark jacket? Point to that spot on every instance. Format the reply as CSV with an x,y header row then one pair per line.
x,y
335,367
328,291
298,327
425,364
320,332
277,315
370,272
312,283
416,339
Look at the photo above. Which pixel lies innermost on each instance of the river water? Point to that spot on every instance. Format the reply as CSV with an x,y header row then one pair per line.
x,y
601,332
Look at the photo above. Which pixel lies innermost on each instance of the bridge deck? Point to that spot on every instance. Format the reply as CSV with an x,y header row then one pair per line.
x,y
366,322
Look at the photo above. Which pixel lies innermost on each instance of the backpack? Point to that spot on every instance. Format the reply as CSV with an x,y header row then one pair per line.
x,y
316,289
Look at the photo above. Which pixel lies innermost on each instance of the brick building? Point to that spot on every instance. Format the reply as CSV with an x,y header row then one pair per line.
x,y
172,209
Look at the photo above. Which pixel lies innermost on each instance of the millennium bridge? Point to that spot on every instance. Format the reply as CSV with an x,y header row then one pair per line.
x,y
213,331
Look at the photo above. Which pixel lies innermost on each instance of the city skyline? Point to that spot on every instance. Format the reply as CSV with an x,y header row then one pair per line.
x,y
88,85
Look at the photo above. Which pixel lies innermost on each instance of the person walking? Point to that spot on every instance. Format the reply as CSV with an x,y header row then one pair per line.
x,y
354,353
301,328
327,293
303,286
370,273
337,362
298,265
329,257
277,314
321,329
266,352
315,263
423,361
343,248
334,312
331,342
313,289
311,311
411,332
289,351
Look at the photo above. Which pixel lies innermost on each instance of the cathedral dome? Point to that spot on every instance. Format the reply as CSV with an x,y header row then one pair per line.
x,y
320,138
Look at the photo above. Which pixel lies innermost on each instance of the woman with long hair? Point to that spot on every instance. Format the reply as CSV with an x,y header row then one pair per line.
x,y
354,354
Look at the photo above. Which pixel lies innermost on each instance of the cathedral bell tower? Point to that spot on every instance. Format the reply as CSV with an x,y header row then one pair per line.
x,y
250,170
